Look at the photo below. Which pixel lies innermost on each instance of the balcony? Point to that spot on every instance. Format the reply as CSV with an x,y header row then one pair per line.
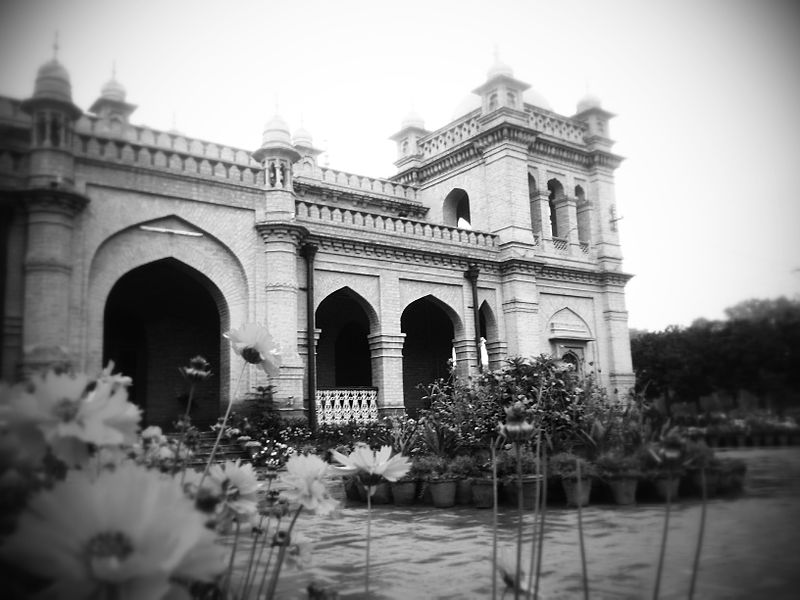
x,y
337,406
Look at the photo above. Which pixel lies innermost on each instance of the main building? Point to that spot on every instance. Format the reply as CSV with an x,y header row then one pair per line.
x,y
496,238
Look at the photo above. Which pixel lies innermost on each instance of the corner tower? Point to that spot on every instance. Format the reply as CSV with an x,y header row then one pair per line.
x,y
51,203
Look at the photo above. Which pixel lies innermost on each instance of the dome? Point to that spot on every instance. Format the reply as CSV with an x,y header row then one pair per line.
x,y
412,119
276,131
302,138
589,101
52,82
113,90
531,96
499,68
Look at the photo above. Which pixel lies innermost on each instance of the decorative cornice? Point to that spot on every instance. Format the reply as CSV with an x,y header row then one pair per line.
x,y
62,201
370,249
547,272
282,230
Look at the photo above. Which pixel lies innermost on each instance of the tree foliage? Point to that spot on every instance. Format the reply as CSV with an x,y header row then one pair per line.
x,y
757,348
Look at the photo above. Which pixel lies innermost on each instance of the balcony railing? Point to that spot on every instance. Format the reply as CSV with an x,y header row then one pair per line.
x,y
337,406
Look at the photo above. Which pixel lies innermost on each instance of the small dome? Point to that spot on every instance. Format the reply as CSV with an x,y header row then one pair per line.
x,y
499,68
113,90
303,138
52,82
412,119
589,101
531,96
276,131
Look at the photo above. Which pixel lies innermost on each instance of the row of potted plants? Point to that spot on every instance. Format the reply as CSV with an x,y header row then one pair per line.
x,y
466,480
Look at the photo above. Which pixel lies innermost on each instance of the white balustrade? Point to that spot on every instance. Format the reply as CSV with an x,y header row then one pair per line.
x,y
339,406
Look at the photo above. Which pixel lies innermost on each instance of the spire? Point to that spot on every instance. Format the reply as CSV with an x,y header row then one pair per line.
x,y
55,45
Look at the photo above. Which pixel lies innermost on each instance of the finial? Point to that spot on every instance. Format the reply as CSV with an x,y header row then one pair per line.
x,y
174,122
496,53
114,69
55,45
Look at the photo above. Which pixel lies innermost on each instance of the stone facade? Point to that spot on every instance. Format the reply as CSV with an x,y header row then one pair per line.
x,y
121,242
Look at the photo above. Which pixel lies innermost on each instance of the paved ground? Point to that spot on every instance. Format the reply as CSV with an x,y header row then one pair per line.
x,y
750,550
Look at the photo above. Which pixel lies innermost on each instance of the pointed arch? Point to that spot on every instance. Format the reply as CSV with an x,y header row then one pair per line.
x,y
456,210
556,194
134,246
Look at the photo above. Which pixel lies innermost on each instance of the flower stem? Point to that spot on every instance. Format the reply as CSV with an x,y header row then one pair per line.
x,y
184,427
243,586
229,572
273,583
517,573
532,564
541,528
580,533
269,561
663,541
222,427
369,526
696,565
494,520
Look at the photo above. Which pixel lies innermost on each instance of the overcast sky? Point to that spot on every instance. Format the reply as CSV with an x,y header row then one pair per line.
x,y
707,94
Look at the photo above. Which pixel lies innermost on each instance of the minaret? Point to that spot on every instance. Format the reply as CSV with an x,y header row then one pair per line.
x,y
501,95
282,236
111,107
52,204
409,153
304,144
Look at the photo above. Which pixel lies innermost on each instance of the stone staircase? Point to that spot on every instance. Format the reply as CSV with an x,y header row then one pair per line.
x,y
226,451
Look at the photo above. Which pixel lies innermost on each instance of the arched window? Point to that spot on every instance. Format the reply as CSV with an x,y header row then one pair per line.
x,y
556,193
455,211
404,147
533,195
583,215
493,101
511,99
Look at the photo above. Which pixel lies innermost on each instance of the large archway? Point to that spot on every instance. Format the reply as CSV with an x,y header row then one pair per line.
x,y
427,348
343,353
156,318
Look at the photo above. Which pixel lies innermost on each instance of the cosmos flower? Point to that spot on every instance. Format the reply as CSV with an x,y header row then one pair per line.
x,y
198,370
130,534
230,490
298,554
69,412
306,479
254,344
371,466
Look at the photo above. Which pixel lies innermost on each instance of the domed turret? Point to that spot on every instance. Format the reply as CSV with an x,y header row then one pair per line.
x,y
499,68
276,131
587,102
52,83
412,119
303,138
113,90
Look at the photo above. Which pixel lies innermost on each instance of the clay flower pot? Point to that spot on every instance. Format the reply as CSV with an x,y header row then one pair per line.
x,y
482,493
404,492
624,490
571,490
443,492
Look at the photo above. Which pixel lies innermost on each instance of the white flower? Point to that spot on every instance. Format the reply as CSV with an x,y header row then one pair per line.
x,y
71,412
130,533
231,487
306,478
254,344
371,466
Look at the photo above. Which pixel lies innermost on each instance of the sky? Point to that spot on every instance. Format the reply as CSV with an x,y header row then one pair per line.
x,y
707,94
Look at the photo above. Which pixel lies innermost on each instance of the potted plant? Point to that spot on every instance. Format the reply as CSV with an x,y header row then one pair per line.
x,y
731,475
664,464
530,477
576,476
440,480
622,474
404,490
702,468
464,469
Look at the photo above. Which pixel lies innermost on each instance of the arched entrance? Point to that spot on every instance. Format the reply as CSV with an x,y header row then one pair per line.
x,y
427,348
343,354
156,318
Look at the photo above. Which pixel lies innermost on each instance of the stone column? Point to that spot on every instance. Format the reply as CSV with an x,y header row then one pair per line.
x,y
47,278
542,207
281,242
386,352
